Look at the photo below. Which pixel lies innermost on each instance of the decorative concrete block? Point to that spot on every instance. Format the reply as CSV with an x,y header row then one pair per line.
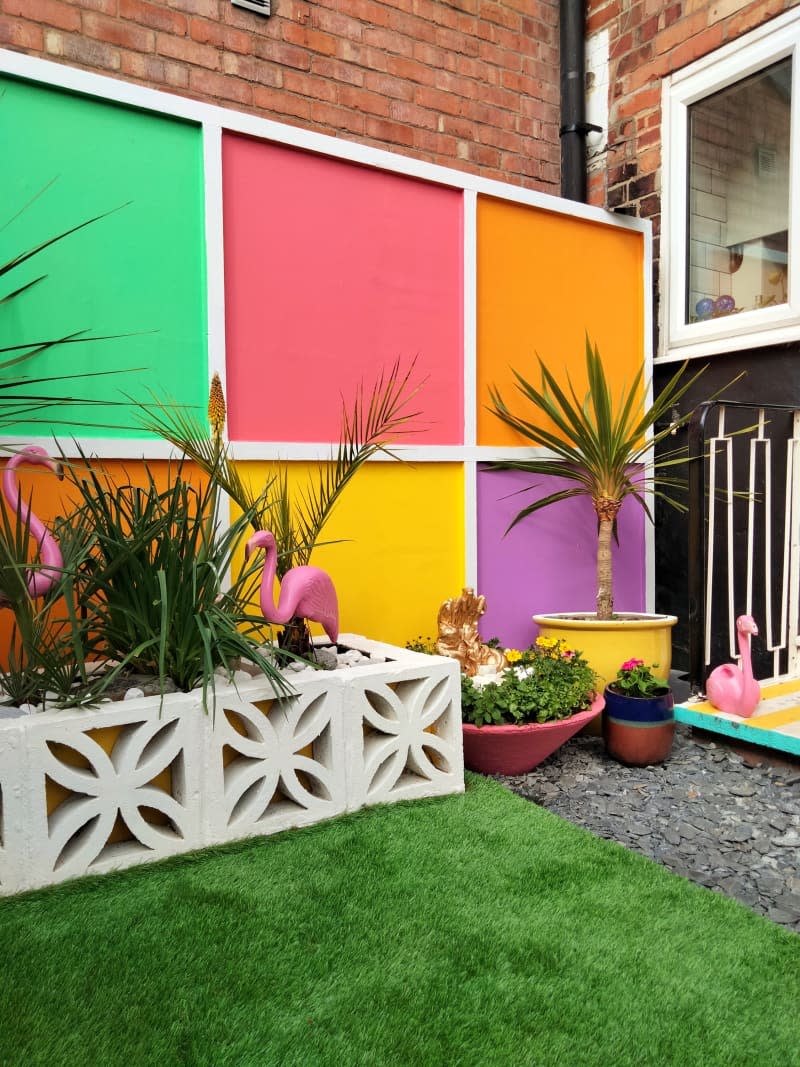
x,y
110,787
90,791
273,764
13,830
403,721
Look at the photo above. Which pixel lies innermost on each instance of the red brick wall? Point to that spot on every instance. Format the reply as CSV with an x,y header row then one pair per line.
x,y
466,83
649,39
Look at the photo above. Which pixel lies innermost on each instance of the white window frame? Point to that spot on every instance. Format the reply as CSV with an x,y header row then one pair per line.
x,y
770,43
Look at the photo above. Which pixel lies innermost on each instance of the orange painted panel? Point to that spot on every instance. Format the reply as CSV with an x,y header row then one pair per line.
x,y
49,498
544,280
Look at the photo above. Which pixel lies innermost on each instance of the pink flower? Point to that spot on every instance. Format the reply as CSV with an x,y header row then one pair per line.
x,y
568,654
632,664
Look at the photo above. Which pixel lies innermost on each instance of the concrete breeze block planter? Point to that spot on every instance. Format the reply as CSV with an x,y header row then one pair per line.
x,y
91,791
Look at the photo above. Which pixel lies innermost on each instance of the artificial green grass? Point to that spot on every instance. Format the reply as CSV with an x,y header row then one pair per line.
x,y
474,930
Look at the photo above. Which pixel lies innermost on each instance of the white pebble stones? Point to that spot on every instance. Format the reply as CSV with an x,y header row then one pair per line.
x,y
328,658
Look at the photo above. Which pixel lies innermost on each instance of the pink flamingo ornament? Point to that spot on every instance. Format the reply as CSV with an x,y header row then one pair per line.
x,y
307,592
731,688
40,581
37,582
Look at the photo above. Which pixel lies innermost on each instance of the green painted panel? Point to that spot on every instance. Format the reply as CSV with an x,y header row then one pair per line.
x,y
138,271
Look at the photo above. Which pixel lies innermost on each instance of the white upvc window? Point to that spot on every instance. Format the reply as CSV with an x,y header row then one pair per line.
x,y
730,253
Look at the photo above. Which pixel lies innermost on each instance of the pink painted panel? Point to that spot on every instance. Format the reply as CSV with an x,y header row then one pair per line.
x,y
332,271
548,562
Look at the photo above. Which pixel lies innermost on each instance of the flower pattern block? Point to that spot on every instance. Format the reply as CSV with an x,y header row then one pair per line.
x,y
411,738
105,786
283,768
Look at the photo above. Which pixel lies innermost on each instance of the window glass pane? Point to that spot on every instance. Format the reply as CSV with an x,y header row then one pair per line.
x,y
739,196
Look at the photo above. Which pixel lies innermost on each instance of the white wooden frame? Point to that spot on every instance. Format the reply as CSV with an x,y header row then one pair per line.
x,y
775,40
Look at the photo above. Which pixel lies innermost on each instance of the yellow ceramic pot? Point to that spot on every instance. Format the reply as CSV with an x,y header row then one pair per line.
x,y
606,645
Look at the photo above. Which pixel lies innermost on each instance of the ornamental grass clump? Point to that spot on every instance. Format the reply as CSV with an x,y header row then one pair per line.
x,y
151,591
543,683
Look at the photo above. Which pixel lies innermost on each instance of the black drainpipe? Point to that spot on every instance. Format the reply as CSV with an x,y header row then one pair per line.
x,y
574,126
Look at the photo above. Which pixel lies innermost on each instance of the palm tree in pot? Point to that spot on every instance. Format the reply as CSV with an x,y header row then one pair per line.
x,y
605,450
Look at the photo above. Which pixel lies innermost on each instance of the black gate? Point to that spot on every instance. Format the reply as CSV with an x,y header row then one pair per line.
x,y
744,549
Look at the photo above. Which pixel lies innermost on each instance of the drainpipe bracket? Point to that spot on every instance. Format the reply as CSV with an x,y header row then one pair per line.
x,y
580,127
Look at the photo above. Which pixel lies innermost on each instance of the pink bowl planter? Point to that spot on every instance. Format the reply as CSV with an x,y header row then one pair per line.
x,y
516,749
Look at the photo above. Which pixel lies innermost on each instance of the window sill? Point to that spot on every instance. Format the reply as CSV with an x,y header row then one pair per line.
x,y
722,342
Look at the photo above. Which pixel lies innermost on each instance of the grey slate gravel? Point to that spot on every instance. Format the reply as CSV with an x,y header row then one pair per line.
x,y
704,814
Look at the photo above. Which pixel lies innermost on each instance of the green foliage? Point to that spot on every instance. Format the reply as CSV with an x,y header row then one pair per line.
x,y
634,679
141,590
423,644
297,519
149,591
45,654
544,683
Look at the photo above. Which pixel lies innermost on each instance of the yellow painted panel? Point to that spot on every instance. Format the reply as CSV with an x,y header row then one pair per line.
x,y
544,281
780,689
401,551
772,719
766,720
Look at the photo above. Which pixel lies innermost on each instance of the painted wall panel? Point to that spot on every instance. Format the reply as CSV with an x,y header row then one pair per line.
x,y
400,530
140,271
544,280
547,563
50,498
332,270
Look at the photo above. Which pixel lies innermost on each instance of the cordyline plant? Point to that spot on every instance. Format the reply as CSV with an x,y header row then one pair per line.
x,y
603,449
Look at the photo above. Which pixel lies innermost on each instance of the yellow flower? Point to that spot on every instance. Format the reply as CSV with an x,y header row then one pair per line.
x,y
513,655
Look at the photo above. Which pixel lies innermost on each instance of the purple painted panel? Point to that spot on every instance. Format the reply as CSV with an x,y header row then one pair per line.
x,y
547,563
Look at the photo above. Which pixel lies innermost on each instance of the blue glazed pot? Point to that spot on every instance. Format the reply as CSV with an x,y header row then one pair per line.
x,y
638,730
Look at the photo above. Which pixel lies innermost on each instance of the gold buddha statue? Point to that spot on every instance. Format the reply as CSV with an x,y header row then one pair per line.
x,y
458,634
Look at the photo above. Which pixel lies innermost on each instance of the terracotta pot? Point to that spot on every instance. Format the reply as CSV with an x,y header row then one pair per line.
x,y
511,749
638,730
